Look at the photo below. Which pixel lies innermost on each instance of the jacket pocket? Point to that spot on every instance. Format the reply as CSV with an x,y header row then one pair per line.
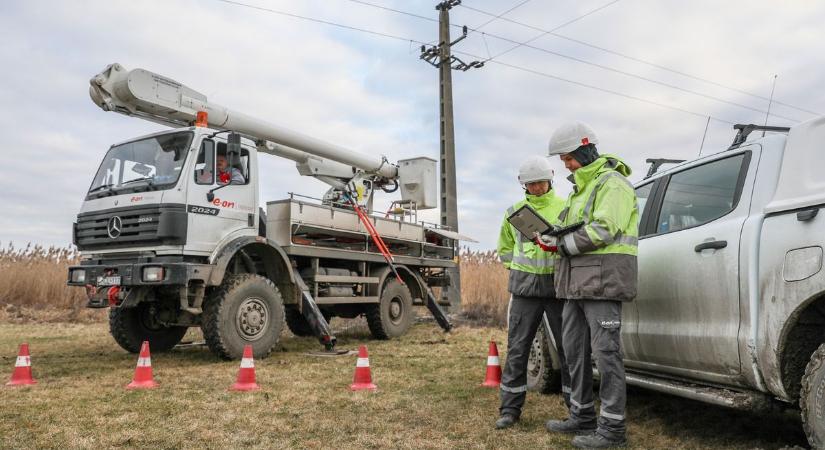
x,y
586,276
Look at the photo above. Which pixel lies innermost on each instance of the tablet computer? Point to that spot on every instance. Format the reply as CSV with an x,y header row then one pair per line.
x,y
528,222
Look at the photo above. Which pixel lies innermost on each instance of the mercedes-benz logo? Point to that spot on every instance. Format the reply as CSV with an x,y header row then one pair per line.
x,y
114,227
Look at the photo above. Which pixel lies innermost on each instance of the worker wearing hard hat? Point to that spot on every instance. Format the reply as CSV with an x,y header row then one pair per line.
x,y
597,271
532,289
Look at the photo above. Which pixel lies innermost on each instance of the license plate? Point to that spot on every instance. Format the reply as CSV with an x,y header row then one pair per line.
x,y
108,281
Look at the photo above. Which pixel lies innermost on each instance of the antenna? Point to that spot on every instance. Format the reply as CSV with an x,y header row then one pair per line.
x,y
769,104
704,136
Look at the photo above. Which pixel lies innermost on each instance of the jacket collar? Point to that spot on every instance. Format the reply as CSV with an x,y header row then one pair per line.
x,y
603,163
540,201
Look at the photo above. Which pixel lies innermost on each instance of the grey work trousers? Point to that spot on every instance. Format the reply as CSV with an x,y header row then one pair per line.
x,y
524,319
596,324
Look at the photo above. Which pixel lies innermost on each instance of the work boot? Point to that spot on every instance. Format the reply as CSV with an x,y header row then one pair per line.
x,y
506,421
596,440
570,426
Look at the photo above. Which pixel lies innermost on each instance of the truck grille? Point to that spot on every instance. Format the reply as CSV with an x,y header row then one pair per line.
x,y
131,227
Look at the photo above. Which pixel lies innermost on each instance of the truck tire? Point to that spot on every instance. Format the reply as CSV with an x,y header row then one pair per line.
x,y
393,316
543,365
812,399
245,309
298,325
131,326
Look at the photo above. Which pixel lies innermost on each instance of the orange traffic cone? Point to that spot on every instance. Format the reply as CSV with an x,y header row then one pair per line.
x,y
493,378
246,374
143,371
22,374
363,378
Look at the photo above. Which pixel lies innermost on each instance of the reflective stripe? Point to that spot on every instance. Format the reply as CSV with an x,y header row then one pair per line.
x,y
603,413
537,263
247,363
564,213
144,362
570,245
566,389
23,361
493,361
602,232
505,257
514,390
362,362
510,211
592,199
632,241
579,405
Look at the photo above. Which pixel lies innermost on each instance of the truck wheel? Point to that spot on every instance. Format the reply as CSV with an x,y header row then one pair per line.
x,y
298,325
812,399
245,309
393,316
543,365
131,326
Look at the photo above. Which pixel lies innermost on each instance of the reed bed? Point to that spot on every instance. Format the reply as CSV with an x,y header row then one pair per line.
x,y
484,295
33,286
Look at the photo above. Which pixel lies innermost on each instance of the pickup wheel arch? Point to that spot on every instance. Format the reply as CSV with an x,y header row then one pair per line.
x,y
272,261
801,336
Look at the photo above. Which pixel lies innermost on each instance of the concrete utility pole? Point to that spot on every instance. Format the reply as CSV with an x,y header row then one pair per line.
x,y
441,58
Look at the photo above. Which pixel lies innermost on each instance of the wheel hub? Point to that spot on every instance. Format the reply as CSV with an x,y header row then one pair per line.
x,y
252,318
396,310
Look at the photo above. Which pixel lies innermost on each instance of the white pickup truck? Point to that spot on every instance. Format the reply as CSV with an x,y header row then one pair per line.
x,y
731,302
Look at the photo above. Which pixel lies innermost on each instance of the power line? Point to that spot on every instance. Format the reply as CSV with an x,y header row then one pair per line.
x,y
554,29
639,60
513,66
499,16
597,65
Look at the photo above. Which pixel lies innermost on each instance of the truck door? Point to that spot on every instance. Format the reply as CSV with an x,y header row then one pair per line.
x,y
232,207
688,302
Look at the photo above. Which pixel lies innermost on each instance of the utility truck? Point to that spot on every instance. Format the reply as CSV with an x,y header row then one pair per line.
x,y
731,302
171,235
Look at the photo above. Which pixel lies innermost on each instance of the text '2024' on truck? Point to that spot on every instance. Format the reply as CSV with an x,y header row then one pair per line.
x,y
731,302
171,235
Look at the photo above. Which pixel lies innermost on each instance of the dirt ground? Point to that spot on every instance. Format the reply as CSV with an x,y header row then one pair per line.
x,y
429,397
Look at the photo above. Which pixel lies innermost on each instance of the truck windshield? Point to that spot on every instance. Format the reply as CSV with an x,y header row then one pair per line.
x,y
151,163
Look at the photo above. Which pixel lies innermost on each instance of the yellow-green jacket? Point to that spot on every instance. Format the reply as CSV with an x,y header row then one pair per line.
x,y
531,268
599,259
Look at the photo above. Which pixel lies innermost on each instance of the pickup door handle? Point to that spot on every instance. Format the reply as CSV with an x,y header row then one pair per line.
x,y
716,245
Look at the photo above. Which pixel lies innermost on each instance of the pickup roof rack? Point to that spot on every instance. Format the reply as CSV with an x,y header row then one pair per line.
x,y
655,163
744,130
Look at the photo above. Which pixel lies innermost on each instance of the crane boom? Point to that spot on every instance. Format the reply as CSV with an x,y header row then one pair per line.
x,y
157,98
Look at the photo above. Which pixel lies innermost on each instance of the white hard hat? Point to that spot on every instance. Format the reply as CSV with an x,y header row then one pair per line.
x,y
571,136
534,169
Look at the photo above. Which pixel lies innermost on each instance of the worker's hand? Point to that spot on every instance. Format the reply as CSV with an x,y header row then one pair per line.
x,y
547,243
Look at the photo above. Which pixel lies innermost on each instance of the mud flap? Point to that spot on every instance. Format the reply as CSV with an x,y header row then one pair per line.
x,y
313,316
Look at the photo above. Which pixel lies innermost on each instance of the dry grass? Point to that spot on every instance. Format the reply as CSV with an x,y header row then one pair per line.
x,y
429,398
484,295
33,286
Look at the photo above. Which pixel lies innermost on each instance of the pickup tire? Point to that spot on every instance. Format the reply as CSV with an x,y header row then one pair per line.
x,y
393,316
246,309
543,365
298,325
131,326
811,396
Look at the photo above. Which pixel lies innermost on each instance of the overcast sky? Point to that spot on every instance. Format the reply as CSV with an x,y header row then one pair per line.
x,y
374,95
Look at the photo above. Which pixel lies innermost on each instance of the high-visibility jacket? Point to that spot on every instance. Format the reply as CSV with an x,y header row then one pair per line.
x,y
531,268
599,259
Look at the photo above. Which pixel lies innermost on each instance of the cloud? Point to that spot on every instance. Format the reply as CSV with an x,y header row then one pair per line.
x,y
374,95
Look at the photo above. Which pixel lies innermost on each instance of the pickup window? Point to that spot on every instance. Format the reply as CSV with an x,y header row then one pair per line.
x,y
701,194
